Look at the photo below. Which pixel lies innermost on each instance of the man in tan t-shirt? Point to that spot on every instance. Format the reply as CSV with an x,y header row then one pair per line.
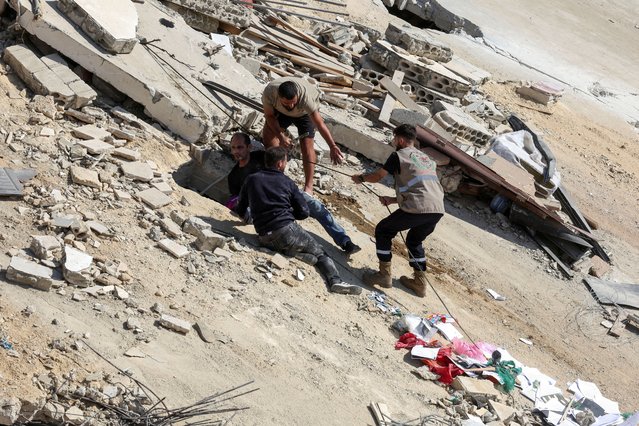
x,y
292,100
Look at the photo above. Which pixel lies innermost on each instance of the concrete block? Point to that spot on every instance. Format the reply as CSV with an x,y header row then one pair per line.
x,y
127,154
84,94
163,187
186,112
43,245
175,324
36,75
428,96
220,252
364,86
418,41
122,195
209,240
221,10
467,71
279,261
535,95
197,20
95,146
154,198
252,65
458,123
194,226
30,273
9,406
170,227
76,267
85,177
432,75
407,116
89,131
175,249
355,134
114,27
137,170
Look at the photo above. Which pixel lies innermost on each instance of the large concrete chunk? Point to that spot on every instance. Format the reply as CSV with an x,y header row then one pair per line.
x,y
85,177
30,273
154,198
36,75
355,134
83,93
175,324
206,15
76,267
418,41
179,102
9,410
137,170
458,123
432,75
43,245
112,27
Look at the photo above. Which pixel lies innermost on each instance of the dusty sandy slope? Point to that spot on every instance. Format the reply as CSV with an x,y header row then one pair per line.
x,y
320,358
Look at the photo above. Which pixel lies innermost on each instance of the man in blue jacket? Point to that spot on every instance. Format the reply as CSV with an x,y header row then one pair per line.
x,y
276,203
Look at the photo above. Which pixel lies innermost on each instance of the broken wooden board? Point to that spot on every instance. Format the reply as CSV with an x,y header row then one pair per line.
x,y
305,62
389,101
399,94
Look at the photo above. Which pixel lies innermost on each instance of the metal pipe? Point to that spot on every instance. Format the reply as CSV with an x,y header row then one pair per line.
x,y
312,18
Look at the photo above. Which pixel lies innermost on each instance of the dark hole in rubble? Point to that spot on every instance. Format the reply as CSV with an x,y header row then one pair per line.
x,y
206,173
413,19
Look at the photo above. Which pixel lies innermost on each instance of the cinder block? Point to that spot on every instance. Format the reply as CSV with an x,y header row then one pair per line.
x,y
418,42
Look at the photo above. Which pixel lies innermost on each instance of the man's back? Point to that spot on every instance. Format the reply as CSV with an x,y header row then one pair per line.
x,y
274,199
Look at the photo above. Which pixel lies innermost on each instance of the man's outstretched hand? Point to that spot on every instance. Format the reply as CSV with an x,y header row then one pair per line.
x,y
336,155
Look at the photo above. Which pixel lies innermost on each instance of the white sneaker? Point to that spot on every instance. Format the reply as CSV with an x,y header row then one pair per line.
x,y
344,288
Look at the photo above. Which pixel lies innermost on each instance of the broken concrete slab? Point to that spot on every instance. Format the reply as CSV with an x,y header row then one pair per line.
x,y
467,71
24,271
114,27
154,198
432,75
175,324
209,240
43,245
95,146
418,41
170,227
127,154
9,183
406,116
175,249
279,261
83,93
9,410
85,177
458,123
75,268
194,226
90,131
137,170
163,187
182,107
356,134
201,13
35,73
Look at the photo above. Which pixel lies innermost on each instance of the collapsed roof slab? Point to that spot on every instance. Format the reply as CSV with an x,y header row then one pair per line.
x,y
357,134
164,81
113,27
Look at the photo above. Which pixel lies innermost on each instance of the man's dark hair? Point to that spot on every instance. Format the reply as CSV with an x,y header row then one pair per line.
x,y
273,156
245,137
287,90
406,131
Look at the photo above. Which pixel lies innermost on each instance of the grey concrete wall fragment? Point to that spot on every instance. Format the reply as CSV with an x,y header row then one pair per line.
x,y
197,20
418,42
435,12
113,27
221,10
354,133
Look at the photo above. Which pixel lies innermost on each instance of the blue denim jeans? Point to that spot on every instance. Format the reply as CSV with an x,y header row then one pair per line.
x,y
319,212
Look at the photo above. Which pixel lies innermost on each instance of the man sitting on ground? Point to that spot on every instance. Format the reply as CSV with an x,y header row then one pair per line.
x,y
276,203
249,162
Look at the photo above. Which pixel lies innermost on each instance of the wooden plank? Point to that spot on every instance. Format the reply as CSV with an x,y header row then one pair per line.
x,y
282,39
345,91
339,79
276,70
302,61
306,37
368,106
399,94
389,101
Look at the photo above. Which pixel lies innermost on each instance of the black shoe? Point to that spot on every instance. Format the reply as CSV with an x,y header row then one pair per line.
x,y
349,247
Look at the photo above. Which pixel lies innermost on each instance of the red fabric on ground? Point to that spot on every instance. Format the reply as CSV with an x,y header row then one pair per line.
x,y
408,340
443,366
